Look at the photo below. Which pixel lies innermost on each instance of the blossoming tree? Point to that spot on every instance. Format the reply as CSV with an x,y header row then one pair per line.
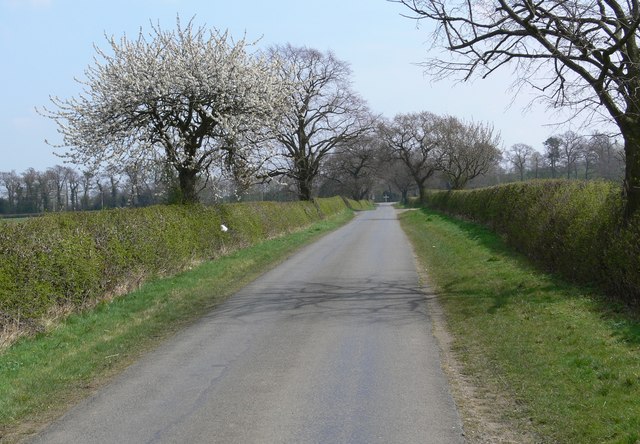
x,y
189,97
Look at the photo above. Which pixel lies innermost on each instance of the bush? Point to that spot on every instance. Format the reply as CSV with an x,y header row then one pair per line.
x,y
75,259
570,227
358,205
330,205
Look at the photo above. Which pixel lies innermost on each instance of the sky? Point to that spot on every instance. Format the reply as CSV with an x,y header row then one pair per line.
x,y
46,44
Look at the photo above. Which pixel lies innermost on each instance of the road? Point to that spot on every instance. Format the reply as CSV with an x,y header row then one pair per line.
x,y
332,346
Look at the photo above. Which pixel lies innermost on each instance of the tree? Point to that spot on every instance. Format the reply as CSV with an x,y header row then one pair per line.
x,y
414,140
12,184
399,176
323,112
468,150
570,149
552,153
59,177
518,155
73,179
86,180
32,198
182,96
536,161
354,166
578,53
607,155
589,156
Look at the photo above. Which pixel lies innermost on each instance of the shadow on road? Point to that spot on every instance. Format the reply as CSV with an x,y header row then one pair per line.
x,y
361,301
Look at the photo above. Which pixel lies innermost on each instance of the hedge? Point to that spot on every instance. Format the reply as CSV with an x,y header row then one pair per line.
x,y
73,260
358,205
572,227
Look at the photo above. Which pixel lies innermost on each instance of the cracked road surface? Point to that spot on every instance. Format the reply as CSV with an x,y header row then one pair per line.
x,y
332,346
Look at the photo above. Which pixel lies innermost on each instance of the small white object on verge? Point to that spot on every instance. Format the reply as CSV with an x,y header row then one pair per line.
x,y
224,228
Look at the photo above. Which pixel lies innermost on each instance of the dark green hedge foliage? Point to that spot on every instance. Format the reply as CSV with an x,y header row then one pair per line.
x,y
76,259
571,227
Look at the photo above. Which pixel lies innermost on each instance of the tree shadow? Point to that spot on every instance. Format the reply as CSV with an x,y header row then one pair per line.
x,y
356,300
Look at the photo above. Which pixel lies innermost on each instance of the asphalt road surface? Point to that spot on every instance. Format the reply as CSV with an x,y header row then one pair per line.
x,y
332,346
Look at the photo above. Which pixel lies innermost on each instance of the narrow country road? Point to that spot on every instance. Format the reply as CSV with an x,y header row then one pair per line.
x,y
333,346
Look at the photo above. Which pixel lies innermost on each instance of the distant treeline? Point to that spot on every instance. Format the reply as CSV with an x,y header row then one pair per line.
x,y
367,168
62,188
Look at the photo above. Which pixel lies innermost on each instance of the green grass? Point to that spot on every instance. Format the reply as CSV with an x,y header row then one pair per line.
x,y
41,376
570,361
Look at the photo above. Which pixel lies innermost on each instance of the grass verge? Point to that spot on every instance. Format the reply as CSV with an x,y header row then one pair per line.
x,y
569,361
41,376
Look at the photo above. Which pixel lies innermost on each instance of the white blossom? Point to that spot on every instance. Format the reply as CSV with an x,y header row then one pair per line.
x,y
188,96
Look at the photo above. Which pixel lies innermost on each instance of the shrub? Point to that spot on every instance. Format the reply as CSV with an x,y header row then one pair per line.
x,y
330,205
75,259
570,227
358,205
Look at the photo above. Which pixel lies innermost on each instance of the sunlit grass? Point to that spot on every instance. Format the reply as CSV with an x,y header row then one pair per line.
x,y
567,358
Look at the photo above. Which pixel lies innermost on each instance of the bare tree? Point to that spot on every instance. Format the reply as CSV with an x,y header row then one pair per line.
x,y
73,179
354,166
323,112
468,150
608,161
578,53
180,96
12,184
518,155
589,156
59,176
414,140
399,176
570,149
86,182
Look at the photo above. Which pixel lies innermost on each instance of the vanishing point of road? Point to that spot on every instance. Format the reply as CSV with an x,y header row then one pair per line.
x,y
332,346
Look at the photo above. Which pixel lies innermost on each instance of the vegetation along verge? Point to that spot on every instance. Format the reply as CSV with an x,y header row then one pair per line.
x,y
575,228
59,263
569,361
41,374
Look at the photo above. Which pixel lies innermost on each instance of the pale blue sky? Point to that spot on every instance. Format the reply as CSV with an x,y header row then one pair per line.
x,y
44,44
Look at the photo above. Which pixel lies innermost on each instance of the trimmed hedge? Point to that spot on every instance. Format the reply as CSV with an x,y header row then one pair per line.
x,y
358,205
573,227
75,259
330,205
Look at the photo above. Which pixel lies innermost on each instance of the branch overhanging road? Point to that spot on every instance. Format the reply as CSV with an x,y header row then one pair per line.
x,y
332,346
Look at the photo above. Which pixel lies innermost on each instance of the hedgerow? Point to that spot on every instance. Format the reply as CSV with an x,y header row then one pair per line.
x,y
358,205
73,260
571,227
330,205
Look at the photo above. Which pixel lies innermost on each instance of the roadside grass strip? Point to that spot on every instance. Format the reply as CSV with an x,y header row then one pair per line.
x,y
567,358
43,375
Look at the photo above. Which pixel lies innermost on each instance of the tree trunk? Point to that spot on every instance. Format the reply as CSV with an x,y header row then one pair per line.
x,y
631,134
304,173
423,193
304,189
187,179
405,196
